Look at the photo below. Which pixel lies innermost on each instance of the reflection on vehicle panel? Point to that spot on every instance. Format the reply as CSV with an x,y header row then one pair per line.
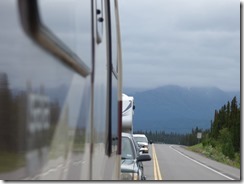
x,y
52,89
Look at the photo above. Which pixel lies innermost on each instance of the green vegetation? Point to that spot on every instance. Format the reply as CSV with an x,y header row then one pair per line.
x,y
221,142
216,154
225,129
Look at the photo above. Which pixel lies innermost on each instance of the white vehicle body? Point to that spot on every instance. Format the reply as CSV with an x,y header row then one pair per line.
x,y
142,141
127,113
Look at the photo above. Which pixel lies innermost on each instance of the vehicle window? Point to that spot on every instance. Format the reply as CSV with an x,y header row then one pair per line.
x,y
136,146
127,149
141,139
70,21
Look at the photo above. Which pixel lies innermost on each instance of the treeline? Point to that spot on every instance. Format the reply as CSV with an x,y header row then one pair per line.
x,y
187,139
225,129
223,135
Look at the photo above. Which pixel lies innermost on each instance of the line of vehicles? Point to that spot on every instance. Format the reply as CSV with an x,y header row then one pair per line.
x,y
134,146
61,92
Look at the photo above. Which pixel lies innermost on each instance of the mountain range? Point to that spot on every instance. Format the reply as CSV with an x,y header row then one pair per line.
x,y
177,109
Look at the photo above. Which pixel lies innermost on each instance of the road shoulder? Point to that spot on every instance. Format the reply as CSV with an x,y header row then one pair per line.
x,y
220,167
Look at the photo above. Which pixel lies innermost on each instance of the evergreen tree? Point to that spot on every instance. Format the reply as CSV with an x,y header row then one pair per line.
x,y
226,127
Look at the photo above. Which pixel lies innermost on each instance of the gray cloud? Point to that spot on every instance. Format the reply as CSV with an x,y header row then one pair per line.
x,y
188,43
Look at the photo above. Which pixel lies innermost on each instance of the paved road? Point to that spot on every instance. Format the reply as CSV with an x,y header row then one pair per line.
x,y
176,163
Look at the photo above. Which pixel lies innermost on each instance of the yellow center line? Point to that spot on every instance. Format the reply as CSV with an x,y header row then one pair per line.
x,y
156,169
154,164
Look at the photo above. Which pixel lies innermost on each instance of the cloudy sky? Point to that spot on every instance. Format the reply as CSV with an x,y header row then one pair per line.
x,y
181,42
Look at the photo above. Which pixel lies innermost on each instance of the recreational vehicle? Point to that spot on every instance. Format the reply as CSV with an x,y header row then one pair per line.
x,y
60,90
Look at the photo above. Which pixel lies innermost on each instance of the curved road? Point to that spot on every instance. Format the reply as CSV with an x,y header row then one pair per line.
x,y
173,162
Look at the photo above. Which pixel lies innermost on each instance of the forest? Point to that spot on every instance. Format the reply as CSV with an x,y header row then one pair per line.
x,y
224,132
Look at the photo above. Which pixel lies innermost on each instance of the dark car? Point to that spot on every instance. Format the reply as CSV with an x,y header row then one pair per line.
x,y
131,159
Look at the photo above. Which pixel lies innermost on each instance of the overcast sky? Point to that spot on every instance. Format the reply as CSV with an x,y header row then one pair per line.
x,y
191,43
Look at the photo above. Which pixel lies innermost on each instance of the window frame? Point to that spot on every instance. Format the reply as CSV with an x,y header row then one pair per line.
x,y
40,34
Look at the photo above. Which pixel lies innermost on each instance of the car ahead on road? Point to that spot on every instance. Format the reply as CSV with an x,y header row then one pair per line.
x,y
131,159
142,141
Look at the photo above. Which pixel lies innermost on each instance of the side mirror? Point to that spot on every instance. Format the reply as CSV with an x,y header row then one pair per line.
x,y
144,157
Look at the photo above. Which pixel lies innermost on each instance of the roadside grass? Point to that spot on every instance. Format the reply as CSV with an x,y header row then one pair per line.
x,y
216,154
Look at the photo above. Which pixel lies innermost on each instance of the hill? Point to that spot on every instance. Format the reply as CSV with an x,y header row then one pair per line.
x,y
177,109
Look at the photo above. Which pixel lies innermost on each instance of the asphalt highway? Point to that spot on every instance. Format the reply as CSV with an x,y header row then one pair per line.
x,y
173,163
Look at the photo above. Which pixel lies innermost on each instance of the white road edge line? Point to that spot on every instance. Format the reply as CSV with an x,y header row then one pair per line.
x,y
201,164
